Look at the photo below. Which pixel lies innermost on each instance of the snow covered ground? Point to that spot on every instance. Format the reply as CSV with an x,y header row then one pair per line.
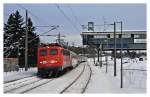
x,y
60,83
134,81
74,81
14,75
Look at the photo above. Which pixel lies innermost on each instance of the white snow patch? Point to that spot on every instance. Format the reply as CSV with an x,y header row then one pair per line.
x,y
133,81
15,75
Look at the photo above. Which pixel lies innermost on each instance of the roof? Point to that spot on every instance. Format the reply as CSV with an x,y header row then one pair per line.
x,y
111,32
50,45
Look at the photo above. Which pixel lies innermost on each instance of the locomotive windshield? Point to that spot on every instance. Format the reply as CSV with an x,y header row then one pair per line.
x,y
43,53
53,51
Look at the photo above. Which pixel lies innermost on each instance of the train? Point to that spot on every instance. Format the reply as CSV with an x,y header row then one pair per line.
x,y
54,59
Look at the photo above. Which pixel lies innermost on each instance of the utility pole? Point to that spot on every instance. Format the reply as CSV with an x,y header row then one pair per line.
x,y
26,43
59,37
101,55
121,70
106,54
115,49
121,58
98,54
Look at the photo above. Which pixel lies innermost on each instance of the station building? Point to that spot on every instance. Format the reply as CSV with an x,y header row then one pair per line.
x,y
131,39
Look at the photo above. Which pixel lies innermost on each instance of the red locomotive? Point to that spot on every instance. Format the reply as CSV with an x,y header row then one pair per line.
x,y
54,59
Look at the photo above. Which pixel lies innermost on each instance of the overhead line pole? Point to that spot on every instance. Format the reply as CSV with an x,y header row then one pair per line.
x,y
106,54
121,59
59,38
26,43
121,69
115,49
114,24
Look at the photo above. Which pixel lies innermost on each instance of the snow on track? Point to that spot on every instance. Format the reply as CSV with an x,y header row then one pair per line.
x,y
59,84
80,85
20,83
31,86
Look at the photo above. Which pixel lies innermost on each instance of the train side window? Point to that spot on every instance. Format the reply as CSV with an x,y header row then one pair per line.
x,y
53,52
65,52
43,52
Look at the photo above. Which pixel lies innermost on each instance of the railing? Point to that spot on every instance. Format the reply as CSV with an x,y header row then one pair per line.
x,y
134,78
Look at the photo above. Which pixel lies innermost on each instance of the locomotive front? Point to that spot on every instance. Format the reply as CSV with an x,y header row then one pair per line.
x,y
49,60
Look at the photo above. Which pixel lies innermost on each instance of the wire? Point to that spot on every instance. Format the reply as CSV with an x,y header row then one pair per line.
x,y
36,17
43,33
67,17
6,14
44,26
73,13
104,19
53,26
28,11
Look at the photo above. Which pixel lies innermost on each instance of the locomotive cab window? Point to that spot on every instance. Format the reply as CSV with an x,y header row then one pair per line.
x,y
43,53
53,52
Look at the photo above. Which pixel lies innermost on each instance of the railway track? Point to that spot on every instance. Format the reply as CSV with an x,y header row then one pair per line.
x,y
76,86
77,79
73,81
19,81
24,85
87,80
67,83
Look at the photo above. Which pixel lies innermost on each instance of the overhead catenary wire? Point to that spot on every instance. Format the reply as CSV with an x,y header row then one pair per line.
x,y
6,14
37,18
71,22
74,15
31,13
104,19
19,5
43,33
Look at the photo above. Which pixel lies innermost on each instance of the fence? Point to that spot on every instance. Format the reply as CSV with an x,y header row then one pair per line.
x,y
11,64
134,78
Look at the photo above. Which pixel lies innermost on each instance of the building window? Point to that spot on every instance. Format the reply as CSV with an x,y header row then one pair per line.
x,y
136,36
90,36
108,36
132,35
111,36
100,36
126,36
119,35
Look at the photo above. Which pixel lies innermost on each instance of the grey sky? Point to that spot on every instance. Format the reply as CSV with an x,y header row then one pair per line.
x,y
132,15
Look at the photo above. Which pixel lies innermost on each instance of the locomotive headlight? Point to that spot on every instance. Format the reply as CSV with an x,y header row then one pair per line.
x,y
53,61
43,62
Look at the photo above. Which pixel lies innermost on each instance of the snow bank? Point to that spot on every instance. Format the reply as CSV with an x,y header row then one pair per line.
x,y
134,81
14,75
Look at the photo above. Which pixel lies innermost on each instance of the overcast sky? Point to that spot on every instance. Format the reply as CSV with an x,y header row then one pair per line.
x,y
132,15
